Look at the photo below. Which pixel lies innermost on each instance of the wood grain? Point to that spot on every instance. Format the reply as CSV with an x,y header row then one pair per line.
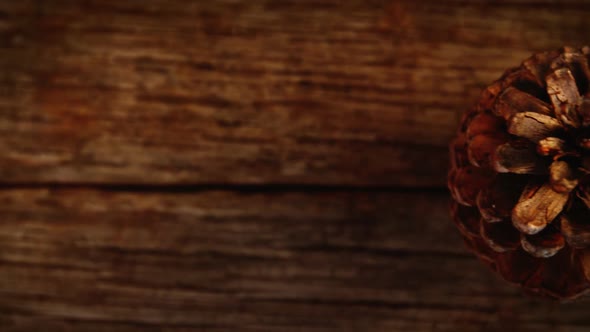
x,y
92,260
231,165
328,92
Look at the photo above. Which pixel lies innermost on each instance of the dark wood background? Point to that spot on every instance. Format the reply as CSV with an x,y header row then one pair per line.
x,y
233,165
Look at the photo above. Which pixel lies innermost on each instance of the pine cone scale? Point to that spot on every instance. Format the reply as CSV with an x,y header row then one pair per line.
x,y
537,207
500,236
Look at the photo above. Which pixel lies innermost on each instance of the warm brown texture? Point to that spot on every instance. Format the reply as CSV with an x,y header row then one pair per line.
x,y
520,165
90,260
284,96
333,92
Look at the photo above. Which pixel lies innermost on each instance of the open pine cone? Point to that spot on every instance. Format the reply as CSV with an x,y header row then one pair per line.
x,y
520,174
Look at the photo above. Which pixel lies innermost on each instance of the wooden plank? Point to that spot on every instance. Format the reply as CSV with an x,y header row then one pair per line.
x,y
91,260
317,92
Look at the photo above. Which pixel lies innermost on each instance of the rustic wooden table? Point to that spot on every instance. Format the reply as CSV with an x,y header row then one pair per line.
x,y
233,165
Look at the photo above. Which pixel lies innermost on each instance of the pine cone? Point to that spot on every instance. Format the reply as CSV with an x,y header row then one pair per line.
x,y
520,174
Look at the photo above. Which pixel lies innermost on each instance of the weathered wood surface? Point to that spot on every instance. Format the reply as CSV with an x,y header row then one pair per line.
x,y
86,260
332,92
171,165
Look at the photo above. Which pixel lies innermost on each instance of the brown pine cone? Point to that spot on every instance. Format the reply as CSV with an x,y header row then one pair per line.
x,y
520,174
